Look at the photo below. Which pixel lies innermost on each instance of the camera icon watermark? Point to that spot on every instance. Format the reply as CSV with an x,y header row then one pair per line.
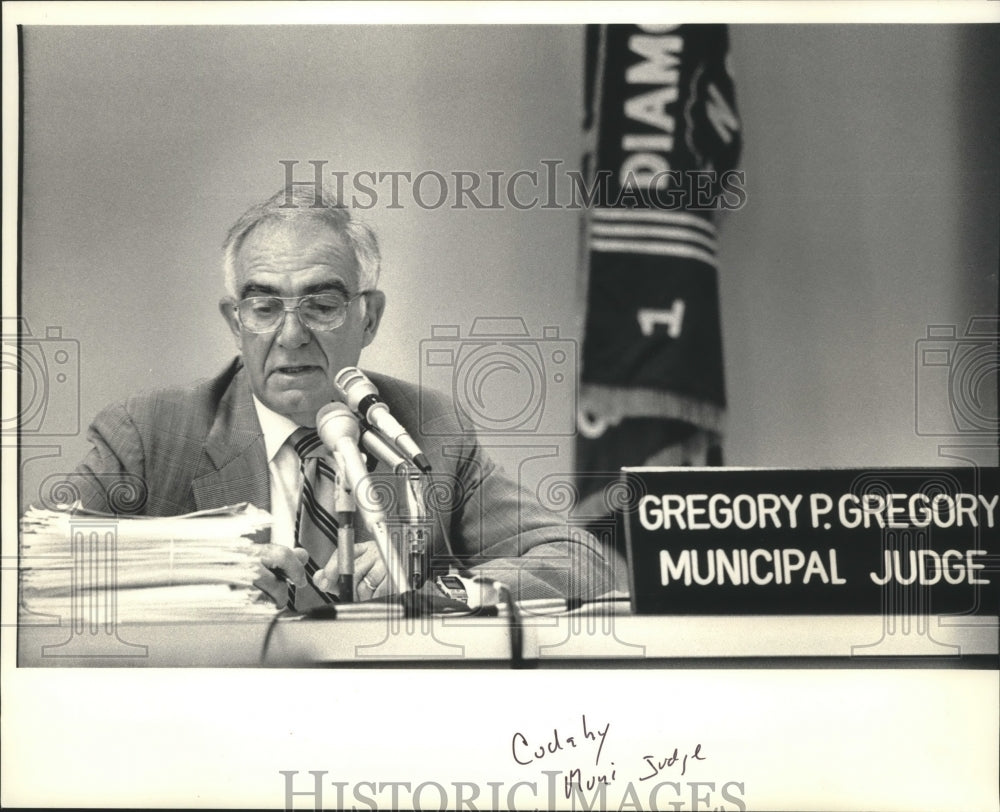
x,y
46,372
956,380
502,380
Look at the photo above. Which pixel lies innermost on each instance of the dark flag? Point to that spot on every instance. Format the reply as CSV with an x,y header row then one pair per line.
x,y
664,140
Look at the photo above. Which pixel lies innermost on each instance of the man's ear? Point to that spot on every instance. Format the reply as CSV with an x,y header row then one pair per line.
x,y
227,307
374,308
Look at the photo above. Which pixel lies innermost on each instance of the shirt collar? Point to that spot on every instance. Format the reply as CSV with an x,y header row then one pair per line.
x,y
276,427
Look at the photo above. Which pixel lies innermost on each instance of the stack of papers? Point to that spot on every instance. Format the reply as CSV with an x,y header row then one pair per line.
x,y
197,566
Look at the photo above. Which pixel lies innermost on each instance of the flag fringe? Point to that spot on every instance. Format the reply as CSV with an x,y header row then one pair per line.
x,y
609,405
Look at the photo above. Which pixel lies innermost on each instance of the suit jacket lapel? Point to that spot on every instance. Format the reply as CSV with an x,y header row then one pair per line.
x,y
234,466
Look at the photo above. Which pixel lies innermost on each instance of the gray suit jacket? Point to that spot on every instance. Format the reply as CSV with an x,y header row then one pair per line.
x,y
191,448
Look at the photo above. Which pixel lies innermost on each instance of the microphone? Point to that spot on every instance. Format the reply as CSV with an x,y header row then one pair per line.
x,y
363,398
339,431
380,448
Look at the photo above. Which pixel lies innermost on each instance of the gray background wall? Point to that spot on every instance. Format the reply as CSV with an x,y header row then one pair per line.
x,y
871,169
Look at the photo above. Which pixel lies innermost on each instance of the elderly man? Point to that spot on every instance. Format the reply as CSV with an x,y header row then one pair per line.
x,y
302,276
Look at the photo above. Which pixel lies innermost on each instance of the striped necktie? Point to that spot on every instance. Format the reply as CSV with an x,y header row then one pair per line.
x,y
315,524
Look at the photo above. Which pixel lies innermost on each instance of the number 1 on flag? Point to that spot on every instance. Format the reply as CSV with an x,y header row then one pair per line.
x,y
672,318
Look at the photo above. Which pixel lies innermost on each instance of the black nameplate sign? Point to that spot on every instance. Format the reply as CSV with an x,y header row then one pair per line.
x,y
767,541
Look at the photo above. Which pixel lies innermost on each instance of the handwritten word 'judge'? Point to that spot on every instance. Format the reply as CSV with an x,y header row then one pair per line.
x,y
656,765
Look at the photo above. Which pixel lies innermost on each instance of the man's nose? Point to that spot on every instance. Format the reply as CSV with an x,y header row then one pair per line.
x,y
293,333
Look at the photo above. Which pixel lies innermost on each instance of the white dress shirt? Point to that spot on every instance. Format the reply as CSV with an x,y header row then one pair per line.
x,y
284,472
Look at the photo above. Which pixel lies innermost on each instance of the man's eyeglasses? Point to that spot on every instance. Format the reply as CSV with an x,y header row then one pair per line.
x,y
318,311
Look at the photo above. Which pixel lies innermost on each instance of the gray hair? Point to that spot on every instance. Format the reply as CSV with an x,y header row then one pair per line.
x,y
298,201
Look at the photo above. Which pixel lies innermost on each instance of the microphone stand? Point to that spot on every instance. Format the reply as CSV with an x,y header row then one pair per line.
x,y
417,529
344,509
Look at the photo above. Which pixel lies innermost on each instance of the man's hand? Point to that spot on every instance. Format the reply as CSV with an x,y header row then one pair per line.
x,y
278,565
370,576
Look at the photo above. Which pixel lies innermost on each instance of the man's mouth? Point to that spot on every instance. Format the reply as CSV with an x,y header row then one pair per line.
x,y
297,370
